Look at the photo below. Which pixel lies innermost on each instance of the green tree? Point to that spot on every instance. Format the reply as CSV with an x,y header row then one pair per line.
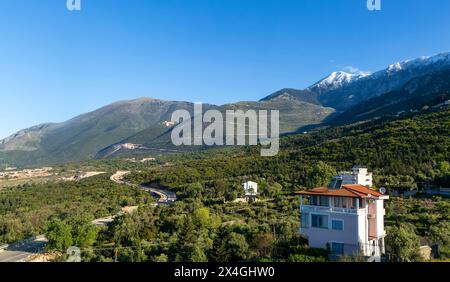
x,y
403,243
274,190
194,190
201,217
59,235
220,252
231,196
237,247
440,234
84,233
320,174
305,258
198,254
186,241
161,258
263,244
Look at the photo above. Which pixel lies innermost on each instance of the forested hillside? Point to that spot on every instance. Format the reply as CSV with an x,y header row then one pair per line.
x,y
400,152
25,210
206,224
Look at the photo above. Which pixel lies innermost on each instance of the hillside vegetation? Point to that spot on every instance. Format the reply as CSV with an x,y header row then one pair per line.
x,y
400,152
206,224
25,210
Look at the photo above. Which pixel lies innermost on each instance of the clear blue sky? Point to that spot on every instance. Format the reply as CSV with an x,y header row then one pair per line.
x,y
56,64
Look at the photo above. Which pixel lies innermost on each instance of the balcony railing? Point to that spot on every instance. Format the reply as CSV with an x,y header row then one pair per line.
x,y
308,208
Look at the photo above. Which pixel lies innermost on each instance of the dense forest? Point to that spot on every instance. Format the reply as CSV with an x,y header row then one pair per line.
x,y
401,153
207,226
207,223
25,210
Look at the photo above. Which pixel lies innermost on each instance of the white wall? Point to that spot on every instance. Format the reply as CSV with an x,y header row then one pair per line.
x,y
358,176
380,217
250,185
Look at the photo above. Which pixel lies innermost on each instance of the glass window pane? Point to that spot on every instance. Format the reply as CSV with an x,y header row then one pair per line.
x,y
314,201
305,220
339,202
324,201
337,248
337,225
319,221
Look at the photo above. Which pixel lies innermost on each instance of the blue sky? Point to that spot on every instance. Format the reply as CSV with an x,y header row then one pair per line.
x,y
56,64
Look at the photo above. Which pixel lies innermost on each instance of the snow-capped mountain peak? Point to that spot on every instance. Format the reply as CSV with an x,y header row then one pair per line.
x,y
419,62
394,67
337,79
344,89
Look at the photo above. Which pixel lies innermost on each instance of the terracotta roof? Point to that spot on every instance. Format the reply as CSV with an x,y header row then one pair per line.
x,y
362,189
353,191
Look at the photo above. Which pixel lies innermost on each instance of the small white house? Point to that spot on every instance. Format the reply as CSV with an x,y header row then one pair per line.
x,y
250,189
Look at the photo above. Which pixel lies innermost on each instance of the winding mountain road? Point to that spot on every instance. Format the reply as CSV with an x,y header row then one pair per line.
x,y
165,197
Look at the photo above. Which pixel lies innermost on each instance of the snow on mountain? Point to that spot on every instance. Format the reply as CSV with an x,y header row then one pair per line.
x,y
336,80
421,62
347,93
340,79
343,89
394,67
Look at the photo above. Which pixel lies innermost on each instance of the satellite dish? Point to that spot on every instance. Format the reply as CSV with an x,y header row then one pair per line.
x,y
383,190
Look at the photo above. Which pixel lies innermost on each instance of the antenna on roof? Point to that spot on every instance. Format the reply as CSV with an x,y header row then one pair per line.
x,y
383,190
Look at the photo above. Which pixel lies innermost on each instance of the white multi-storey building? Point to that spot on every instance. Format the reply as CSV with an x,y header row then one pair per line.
x,y
347,220
358,175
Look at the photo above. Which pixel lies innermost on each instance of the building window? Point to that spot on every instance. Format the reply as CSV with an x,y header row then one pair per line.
x,y
319,221
323,201
337,224
356,201
337,248
340,202
305,220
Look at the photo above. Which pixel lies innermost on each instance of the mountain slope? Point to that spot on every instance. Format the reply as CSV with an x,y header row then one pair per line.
x,y
289,94
82,137
381,82
294,114
335,81
421,93
103,133
341,90
157,139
